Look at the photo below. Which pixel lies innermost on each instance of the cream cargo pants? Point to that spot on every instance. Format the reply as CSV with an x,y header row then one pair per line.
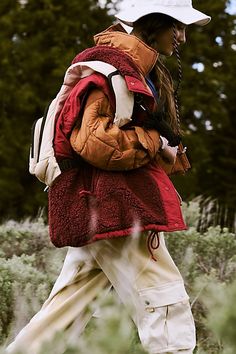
x,y
154,291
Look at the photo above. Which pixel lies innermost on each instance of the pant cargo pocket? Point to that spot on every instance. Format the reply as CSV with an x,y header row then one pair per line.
x,y
166,323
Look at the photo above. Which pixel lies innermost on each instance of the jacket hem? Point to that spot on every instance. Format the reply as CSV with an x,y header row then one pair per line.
x,y
129,231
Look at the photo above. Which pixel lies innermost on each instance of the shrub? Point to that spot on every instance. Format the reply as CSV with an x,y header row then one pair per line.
x,y
219,301
25,237
29,265
28,268
6,296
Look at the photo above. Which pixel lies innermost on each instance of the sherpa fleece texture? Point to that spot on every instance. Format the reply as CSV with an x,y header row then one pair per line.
x,y
109,55
88,204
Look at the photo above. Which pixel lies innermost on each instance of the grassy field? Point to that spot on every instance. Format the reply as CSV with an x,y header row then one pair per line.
x,y
29,265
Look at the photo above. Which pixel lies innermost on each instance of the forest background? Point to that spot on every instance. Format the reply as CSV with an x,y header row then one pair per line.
x,y
38,40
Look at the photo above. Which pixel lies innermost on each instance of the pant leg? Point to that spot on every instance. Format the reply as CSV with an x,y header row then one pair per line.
x,y
79,283
153,292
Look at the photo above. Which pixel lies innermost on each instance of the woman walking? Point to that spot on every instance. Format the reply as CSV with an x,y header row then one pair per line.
x,y
114,199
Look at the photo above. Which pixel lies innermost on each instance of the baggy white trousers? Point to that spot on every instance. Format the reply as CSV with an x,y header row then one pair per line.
x,y
154,291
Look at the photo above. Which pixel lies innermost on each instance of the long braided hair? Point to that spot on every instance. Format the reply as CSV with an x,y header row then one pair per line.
x,y
180,76
147,28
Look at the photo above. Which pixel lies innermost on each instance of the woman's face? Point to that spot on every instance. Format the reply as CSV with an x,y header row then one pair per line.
x,y
165,40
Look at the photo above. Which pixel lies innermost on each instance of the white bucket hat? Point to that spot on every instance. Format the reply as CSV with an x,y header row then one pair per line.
x,y
181,10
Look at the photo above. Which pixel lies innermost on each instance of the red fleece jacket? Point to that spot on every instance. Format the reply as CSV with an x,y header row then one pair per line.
x,y
87,204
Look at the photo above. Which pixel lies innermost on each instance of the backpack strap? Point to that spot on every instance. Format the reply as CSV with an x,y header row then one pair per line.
x,y
124,98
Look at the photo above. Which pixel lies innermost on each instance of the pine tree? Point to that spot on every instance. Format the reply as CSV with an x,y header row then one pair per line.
x,y
209,107
38,40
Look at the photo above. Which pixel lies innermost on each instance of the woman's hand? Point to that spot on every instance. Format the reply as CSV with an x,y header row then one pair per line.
x,y
167,152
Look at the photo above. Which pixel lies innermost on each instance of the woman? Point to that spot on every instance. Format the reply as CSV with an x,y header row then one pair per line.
x,y
122,188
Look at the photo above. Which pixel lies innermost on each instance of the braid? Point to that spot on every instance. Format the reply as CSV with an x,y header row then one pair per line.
x,y
180,76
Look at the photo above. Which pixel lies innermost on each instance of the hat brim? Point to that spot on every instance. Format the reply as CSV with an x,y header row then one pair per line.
x,y
184,14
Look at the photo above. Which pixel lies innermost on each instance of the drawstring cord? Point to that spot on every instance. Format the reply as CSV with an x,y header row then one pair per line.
x,y
153,242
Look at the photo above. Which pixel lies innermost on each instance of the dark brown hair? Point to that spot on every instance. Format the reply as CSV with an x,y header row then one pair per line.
x,y
147,28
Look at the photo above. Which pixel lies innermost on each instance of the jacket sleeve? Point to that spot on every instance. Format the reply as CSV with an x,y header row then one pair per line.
x,y
101,143
180,166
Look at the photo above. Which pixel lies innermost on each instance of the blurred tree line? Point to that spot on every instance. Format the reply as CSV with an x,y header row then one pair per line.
x,y
38,40
209,109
